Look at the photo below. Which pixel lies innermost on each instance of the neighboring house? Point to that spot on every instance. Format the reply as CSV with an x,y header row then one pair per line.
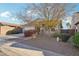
x,y
5,27
75,21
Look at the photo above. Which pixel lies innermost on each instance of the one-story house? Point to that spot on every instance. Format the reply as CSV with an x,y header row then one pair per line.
x,y
75,21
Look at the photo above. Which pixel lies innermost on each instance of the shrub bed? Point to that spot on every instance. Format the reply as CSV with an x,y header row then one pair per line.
x,y
55,35
14,31
76,39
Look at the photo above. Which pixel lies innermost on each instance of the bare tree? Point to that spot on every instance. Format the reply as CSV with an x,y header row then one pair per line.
x,y
47,11
52,10
25,15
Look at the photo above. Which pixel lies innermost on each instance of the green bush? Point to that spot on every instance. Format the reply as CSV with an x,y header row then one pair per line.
x,y
76,39
65,37
14,31
56,35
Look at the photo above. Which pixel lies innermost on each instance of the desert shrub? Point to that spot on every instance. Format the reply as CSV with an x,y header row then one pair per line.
x,y
15,31
65,37
67,34
76,39
56,34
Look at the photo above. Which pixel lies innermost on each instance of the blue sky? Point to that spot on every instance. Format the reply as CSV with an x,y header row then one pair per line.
x,y
12,7
8,11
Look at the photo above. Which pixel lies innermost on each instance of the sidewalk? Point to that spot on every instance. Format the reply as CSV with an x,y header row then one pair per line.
x,y
8,37
15,49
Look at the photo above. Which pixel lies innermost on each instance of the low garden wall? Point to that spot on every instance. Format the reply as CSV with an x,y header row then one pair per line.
x,y
5,29
68,31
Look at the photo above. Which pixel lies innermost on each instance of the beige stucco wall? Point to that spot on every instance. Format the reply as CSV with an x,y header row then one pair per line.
x,y
78,28
5,29
75,19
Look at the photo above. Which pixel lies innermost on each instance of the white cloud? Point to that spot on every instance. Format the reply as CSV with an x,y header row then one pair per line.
x,y
5,14
9,17
32,13
29,11
13,19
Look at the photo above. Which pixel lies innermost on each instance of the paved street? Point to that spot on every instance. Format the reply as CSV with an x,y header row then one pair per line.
x,y
46,44
15,49
10,48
